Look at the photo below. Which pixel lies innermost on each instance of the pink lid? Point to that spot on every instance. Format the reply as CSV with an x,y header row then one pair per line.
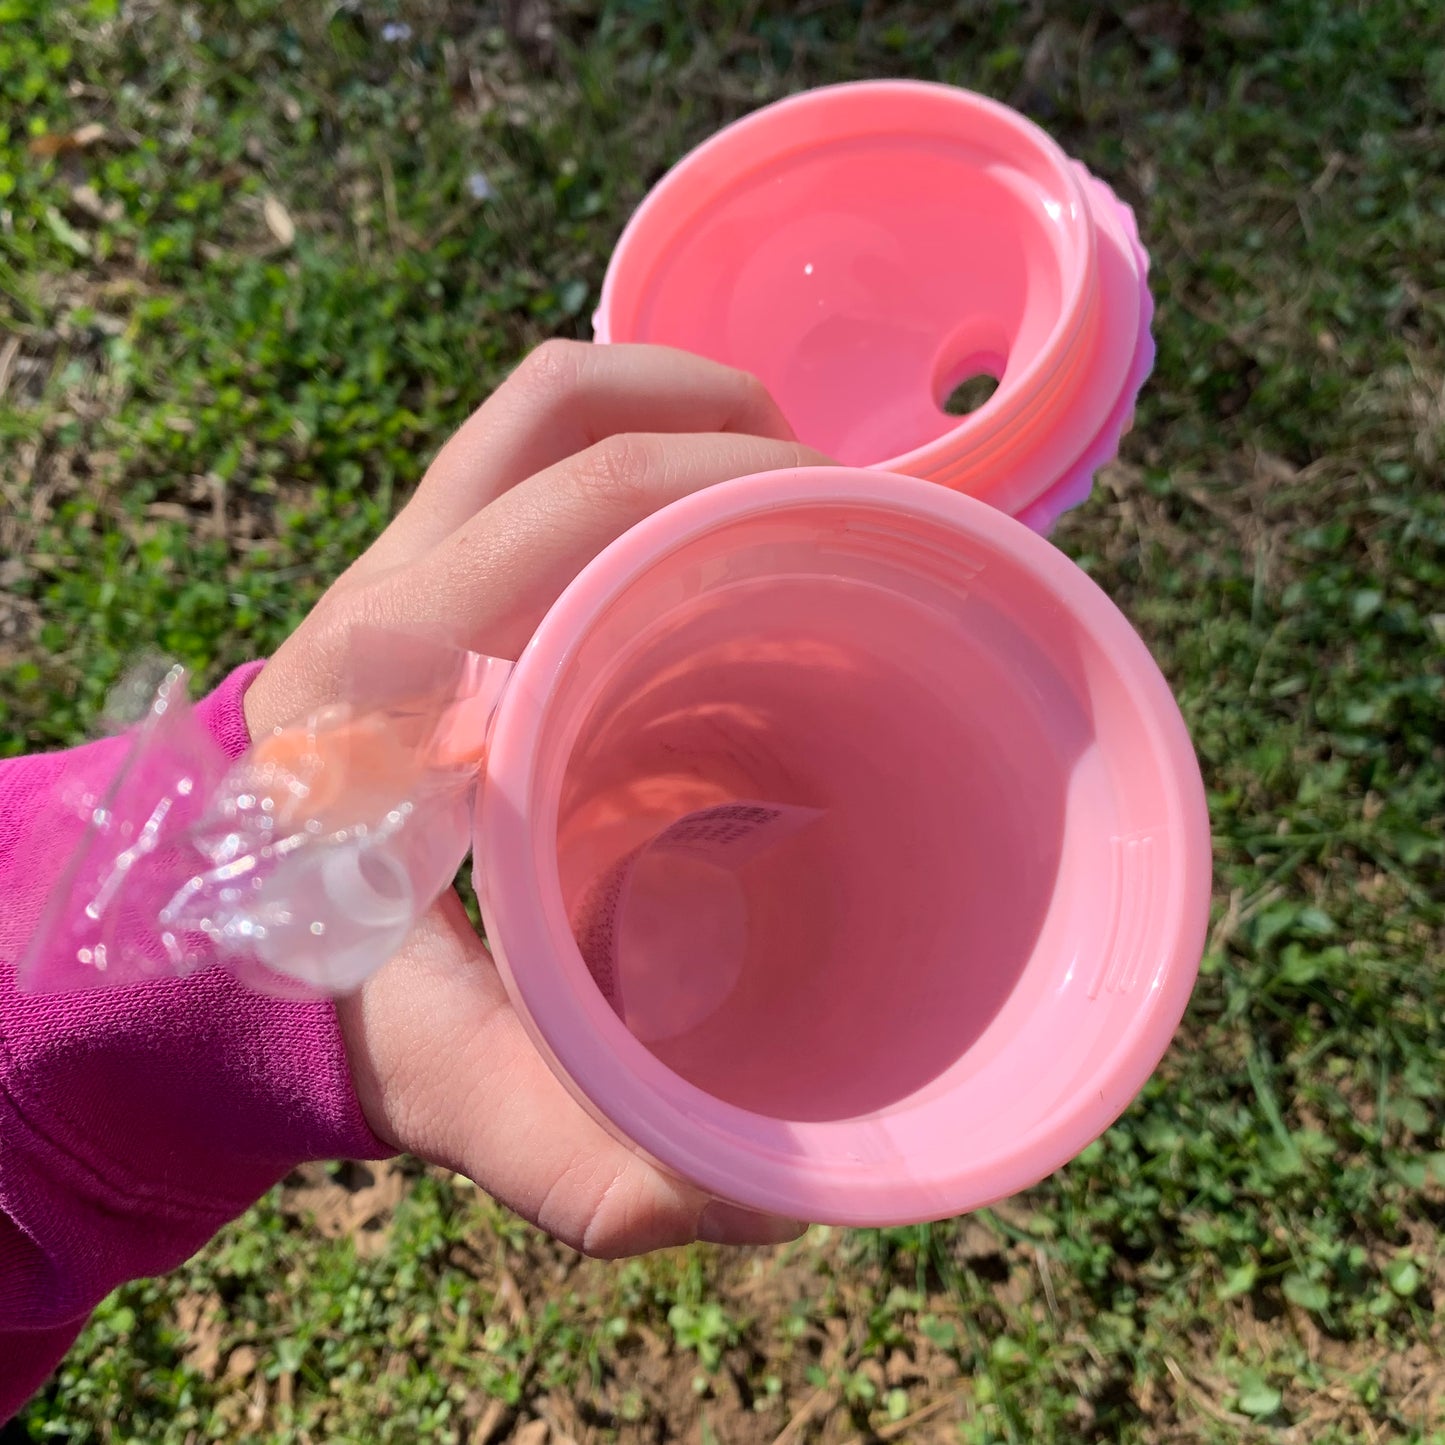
x,y
863,248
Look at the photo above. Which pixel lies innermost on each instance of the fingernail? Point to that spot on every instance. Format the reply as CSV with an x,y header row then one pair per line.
x,y
729,1224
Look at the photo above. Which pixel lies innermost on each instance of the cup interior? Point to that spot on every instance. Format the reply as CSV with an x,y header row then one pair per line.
x,y
984,908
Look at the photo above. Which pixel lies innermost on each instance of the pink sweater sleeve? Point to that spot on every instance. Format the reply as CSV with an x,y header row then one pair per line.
x,y
134,1123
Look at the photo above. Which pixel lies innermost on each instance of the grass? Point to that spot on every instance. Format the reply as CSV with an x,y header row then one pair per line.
x,y
232,328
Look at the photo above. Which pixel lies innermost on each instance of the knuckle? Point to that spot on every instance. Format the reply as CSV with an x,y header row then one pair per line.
x,y
619,471
639,1210
618,1220
553,366
754,393
375,604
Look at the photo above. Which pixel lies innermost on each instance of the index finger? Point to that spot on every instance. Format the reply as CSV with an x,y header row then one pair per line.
x,y
487,586
565,397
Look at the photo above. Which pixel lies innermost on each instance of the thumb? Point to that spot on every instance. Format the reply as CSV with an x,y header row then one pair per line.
x,y
445,1069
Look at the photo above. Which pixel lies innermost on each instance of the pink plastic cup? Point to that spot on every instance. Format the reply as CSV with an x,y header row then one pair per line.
x,y
864,248
966,963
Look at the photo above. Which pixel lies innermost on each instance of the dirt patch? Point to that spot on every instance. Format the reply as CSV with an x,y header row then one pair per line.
x,y
347,1199
811,1349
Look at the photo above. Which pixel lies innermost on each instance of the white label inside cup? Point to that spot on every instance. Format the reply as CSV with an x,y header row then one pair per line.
x,y
664,930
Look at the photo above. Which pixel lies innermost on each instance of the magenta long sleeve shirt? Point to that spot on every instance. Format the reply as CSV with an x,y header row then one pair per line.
x,y
134,1123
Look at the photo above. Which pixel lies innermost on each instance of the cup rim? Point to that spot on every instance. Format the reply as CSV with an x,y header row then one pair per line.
x,y
722,1148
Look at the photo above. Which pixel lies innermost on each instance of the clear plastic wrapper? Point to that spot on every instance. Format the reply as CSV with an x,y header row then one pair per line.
x,y
303,865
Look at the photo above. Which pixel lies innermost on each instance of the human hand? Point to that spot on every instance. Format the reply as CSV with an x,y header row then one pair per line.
x,y
578,445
